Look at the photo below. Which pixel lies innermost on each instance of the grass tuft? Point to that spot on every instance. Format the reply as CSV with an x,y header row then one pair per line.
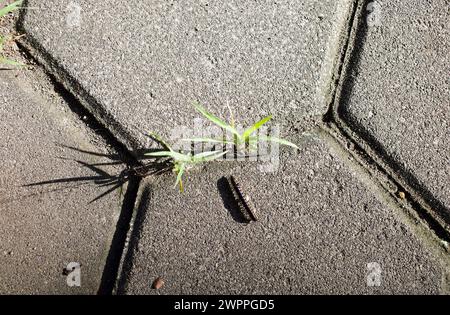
x,y
182,161
3,12
240,140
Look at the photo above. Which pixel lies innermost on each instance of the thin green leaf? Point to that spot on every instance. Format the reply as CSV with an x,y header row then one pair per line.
x,y
231,116
274,139
247,133
180,172
159,153
9,62
208,156
215,119
2,41
215,157
205,154
157,138
10,8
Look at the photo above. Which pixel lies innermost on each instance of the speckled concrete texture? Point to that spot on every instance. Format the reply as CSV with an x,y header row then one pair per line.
x,y
398,91
321,231
45,227
142,64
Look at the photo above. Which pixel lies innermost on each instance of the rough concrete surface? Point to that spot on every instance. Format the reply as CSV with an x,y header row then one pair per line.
x,y
399,89
318,228
137,66
44,228
145,62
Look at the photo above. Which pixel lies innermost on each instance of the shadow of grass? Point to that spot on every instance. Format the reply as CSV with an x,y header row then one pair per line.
x,y
347,120
103,179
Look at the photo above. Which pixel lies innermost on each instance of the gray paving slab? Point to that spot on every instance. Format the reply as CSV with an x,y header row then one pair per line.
x,y
141,64
319,227
398,94
44,228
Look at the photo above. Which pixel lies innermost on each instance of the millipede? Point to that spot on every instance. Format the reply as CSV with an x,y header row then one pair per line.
x,y
244,203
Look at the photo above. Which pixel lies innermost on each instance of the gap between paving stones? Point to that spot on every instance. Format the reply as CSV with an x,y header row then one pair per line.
x,y
376,159
336,128
78,96
155,217
70,86
44,227
428,232
414,211
312,50
395,94
117,246
115,252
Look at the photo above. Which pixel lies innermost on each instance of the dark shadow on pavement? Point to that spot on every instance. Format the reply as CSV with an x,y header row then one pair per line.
x,y
105,180
141,213
230,203
131,175
346,117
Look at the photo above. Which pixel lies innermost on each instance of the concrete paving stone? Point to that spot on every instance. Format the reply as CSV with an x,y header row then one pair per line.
x,y
44,228
319,227
145,62
400,90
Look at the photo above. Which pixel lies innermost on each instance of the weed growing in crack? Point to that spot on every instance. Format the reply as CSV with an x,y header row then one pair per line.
x,y
245,141
183,161
4,11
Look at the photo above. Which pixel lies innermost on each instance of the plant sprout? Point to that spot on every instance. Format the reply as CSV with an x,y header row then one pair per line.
x,y
239,139
4,11
183,161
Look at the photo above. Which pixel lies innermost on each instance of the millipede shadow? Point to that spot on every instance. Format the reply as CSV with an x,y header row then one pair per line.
x,y
230,203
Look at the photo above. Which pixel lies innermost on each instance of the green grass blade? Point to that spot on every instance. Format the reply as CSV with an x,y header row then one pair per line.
x,y
278,140
208,156
10,8
247,133
205,154
180,173
157,138
120,197
159,153
216,120
172,154
9,62
213,157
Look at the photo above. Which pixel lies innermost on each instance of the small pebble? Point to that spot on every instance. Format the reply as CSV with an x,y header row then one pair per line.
x,y
402,195
158,283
